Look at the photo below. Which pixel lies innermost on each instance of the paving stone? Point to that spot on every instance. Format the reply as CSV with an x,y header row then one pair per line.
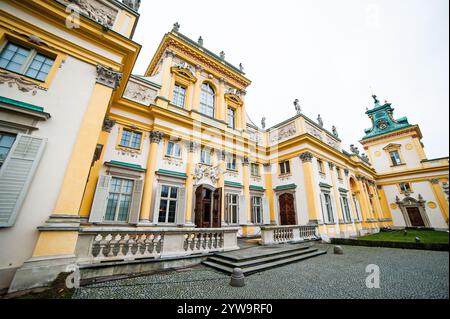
x,y
404,274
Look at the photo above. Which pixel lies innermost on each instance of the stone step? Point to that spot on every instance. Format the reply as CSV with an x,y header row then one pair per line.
x,y
266,266
263,259
251,254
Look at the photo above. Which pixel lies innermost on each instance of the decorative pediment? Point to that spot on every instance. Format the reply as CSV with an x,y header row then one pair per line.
x,y
184,73
234,98
392,146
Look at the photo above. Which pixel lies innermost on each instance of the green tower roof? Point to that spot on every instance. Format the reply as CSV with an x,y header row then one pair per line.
x,y
383,121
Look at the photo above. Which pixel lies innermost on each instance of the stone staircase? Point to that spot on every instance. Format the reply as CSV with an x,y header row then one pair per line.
x,y
256,259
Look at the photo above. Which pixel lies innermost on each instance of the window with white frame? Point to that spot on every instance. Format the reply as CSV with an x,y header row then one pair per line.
x,y
321,166
257,210
231,118
173,149
254,169
327,208
405,188
285,168
207,98
231,162
179,95
395,158
131,139
205,156
346,209
28,62
119,200
168,204
232,209
6,142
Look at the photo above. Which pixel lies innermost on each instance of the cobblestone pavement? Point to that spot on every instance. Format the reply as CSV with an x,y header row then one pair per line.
x,y
404,274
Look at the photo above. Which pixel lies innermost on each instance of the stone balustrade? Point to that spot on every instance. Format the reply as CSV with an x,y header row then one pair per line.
x,y
271,235
106,244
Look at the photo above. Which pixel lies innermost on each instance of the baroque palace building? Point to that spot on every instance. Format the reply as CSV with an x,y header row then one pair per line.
x,y
101,168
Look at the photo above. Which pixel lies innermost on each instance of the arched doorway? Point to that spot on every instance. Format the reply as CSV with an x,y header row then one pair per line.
x,y
287,209
208,207
414,212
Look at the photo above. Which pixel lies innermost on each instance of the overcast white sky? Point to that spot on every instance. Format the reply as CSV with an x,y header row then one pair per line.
x,y
327,53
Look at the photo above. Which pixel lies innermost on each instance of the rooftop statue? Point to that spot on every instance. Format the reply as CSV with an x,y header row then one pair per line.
x,y
263,123
335,133
297,106
319,120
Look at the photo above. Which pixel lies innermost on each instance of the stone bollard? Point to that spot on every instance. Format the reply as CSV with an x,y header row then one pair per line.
x,y
338,250
237,278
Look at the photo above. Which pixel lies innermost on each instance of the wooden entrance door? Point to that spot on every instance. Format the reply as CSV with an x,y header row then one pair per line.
x,y
287,210
208,208
415,217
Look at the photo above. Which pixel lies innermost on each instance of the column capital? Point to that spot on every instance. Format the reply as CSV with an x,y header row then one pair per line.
x,y
192,147
108,77
331,165
156,137
199,68
347,172
435,181
108,124
169,54
245,161
306,157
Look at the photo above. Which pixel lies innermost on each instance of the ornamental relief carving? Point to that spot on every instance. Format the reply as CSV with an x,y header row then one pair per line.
x,y
178,162
207,174
22,83
332,143
124,151
283,133
313,131
139,93
95,10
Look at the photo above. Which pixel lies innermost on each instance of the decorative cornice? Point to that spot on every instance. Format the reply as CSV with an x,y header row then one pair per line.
x,y
108,77
156,137
435,181
306,157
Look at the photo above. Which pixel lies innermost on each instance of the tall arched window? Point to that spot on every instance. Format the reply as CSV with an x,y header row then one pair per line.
x,y
207,99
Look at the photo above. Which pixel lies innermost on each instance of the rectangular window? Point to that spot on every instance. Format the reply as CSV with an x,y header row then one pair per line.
x,y
254,169
231,118
405,187
168,204
205,156
6,142
321,167
179,95
328,208
119,200
173,149
339,173
346,209
28,62
285,168
257,210
131,139
232,209
395,158
231,162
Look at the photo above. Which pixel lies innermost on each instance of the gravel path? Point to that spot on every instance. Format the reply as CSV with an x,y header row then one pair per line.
x,y
404,274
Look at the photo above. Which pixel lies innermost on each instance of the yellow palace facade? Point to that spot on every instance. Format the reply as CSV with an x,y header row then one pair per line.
x,y
110,169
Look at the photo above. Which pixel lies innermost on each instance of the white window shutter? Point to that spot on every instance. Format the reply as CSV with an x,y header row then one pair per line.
x,y
100,199
242,213
266,213
226,213
157,204
181,206
16,175
135,210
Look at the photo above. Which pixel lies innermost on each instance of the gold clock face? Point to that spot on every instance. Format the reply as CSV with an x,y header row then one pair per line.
x,y
382,124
